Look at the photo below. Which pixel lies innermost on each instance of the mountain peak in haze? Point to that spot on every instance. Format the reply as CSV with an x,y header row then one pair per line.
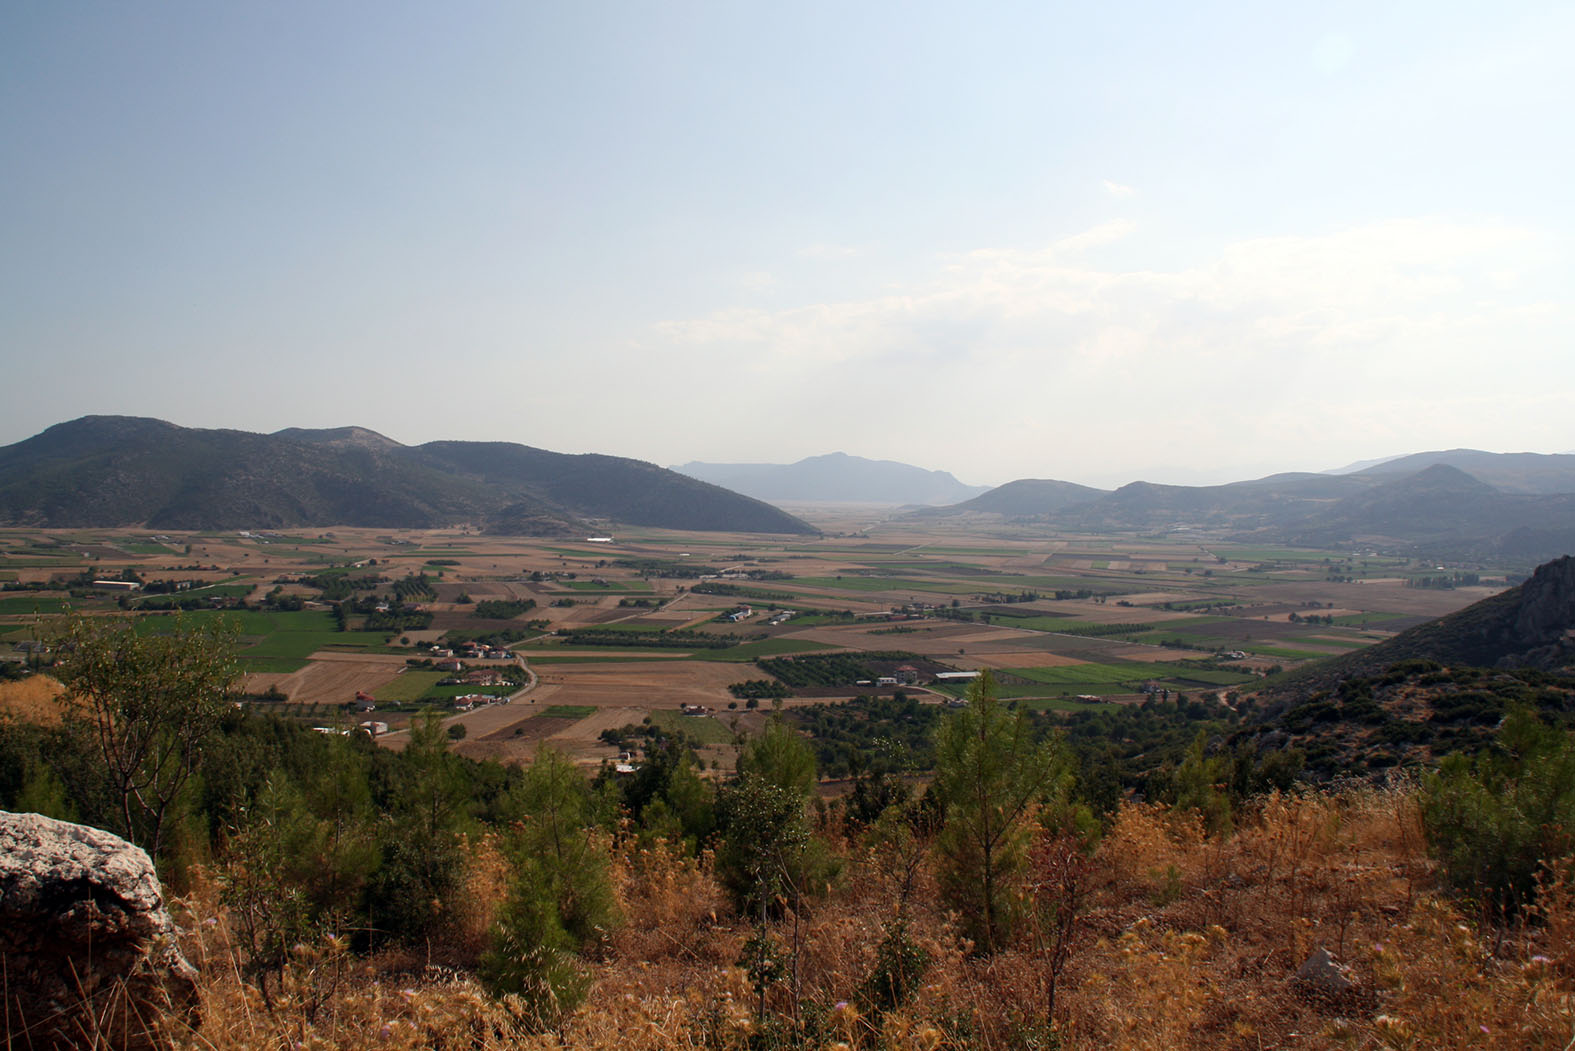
x,y
836,477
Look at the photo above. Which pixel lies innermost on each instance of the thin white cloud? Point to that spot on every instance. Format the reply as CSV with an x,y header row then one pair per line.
x,y
1271,342
1116,189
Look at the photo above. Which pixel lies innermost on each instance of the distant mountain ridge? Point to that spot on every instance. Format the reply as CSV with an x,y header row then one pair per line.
x,y
1537,474
835,478
1462,504
120,470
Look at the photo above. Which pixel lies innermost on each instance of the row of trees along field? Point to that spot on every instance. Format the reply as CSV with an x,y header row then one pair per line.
x,y
514,875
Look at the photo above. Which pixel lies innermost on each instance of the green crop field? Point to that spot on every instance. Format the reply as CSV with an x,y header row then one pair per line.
x,y
25,604
701,728
410,686
1362,620
566,711
279,642
1286,653
764,648
1086,674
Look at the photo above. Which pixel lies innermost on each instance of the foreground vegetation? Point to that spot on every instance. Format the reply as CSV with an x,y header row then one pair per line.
x,y
985,881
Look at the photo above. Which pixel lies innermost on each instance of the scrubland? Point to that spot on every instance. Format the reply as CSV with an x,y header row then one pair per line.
x,y
1173,938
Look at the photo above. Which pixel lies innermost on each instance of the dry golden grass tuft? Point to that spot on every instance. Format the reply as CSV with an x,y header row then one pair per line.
x,y
36,699
1186,941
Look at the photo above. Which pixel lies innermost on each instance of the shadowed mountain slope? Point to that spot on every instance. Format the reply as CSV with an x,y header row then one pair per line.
x,y
116,471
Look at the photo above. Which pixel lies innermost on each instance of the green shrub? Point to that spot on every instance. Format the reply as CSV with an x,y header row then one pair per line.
x,y
1495,821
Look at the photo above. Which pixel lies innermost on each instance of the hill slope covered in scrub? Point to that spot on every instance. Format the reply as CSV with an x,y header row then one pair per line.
x,y
1443,686
115,471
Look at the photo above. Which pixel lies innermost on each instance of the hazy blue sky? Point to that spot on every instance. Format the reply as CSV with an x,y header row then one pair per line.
x,y
1098,242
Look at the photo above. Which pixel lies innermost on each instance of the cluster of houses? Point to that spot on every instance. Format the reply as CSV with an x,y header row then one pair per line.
x,y
472,651
466,701
477,677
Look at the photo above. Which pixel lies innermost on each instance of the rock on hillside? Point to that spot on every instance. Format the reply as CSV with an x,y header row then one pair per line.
x,y
87,946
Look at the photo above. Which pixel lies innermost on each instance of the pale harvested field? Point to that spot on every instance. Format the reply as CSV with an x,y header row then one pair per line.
x,y
1384,596
669,616
644,685
597,652
331,678
590,728
33,700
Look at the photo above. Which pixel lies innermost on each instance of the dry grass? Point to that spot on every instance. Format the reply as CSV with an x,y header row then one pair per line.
x,y
1186,942
35,699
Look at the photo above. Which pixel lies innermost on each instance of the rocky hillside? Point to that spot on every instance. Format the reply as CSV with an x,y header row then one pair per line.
x,y
120,471
1440,687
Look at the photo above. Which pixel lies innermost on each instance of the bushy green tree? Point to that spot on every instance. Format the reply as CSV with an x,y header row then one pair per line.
x,y
422,860
767,858
1201,783
1496,820
991,777
560,902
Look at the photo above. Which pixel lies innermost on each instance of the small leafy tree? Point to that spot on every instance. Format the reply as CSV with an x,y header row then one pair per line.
x,y
1200,783
144,703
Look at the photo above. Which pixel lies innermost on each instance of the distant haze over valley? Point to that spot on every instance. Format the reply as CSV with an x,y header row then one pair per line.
x,y
836,478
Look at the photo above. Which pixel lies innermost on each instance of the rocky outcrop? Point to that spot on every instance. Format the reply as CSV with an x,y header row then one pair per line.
x,y
1545,618
87,946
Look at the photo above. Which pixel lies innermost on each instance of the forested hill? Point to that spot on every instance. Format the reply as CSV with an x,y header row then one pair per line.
x,y
102,471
